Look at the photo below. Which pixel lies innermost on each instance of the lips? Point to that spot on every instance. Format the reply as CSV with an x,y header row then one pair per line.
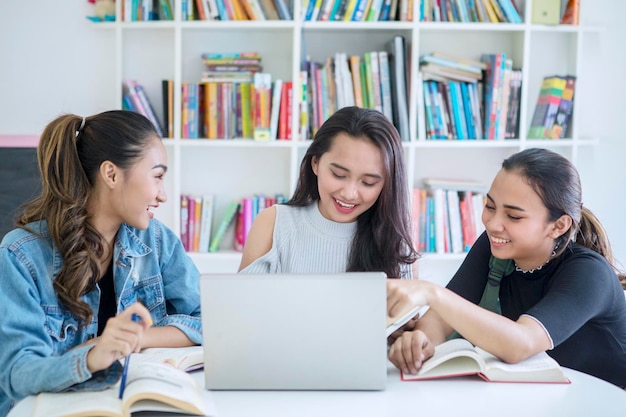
x,y
344,207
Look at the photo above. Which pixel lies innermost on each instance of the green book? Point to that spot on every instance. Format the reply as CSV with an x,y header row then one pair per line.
x,y
227,219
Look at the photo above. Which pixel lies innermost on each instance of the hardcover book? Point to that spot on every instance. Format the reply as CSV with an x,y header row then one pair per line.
x,y
458,357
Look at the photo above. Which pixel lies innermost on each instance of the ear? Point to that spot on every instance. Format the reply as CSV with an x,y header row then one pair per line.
x,y
109,173
315,163
561,226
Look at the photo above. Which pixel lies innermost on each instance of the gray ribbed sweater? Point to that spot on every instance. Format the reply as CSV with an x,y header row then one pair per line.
x,y
304,241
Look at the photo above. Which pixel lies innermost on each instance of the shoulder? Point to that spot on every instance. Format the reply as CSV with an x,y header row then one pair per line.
x,y
260,237
35,234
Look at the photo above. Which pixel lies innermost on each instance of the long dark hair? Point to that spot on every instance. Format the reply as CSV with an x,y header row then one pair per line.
x,y
383,240
70,152
555,179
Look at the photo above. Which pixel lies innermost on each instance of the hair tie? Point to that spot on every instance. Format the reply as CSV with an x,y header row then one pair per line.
x,y
80,129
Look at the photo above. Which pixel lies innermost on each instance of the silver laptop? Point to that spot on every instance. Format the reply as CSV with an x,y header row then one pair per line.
x,y
294,332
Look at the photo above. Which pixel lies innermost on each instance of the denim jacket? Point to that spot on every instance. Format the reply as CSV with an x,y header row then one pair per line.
x,y
38,335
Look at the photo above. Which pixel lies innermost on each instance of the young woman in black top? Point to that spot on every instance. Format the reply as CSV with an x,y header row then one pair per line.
x,y
562,296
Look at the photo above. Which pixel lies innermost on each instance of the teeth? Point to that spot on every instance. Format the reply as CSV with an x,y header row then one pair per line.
x,y
344,205
497,240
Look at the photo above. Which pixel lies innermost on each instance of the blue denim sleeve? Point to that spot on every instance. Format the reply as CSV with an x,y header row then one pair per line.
x,y
32,361
181,285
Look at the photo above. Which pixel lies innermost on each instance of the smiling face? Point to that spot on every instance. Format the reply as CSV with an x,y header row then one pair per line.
x,y
516,221
140,188
350,177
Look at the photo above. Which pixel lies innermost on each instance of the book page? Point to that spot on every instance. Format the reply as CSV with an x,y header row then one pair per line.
x,y
162,383
78,404
538,368
452,358
186,358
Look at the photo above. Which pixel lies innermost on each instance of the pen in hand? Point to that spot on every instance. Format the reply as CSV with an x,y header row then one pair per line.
x,y
136,319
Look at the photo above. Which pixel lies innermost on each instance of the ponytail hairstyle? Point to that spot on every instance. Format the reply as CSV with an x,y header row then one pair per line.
x,y
383,239
555,179
70,152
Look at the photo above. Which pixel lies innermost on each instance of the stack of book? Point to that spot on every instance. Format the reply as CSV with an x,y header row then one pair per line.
x,y
554,108
469,99
487,11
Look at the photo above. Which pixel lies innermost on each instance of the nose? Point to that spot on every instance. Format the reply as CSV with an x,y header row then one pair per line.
x,y
492,221
162,196
349,191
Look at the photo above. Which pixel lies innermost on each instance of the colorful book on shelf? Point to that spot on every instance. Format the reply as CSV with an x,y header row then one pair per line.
x,y
397,50
547,106
458,357
149,387
275,108
564,112
227,219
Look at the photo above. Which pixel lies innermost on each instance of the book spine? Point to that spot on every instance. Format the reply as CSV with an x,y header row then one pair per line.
x,y
227,219
206,219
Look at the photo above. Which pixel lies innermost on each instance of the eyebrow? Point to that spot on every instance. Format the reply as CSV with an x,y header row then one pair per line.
x,y
508,206
346,169
160,166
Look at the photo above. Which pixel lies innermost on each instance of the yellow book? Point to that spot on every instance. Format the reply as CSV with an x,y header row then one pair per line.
x,y
211,105
490,12
350,10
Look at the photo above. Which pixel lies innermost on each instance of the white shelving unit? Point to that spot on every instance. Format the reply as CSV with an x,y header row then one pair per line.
x,y
231,169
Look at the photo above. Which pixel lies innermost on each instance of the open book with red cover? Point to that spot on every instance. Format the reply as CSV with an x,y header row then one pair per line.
x,y
459,357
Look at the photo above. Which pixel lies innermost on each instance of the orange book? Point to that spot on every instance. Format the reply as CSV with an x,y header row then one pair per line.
x,y
355,68
572,13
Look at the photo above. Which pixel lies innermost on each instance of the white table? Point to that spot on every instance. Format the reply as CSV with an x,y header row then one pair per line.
x,y
586,396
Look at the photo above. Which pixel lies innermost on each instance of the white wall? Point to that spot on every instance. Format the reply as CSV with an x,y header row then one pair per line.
x,y
54,61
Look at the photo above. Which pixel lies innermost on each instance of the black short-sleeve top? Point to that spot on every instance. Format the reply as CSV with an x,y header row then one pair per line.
x,y
576,297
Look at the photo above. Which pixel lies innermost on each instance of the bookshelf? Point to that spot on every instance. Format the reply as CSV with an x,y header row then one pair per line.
x,y
231,169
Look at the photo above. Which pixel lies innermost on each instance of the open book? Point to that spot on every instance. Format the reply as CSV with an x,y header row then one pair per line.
x,y
394,323
459,357
149,387
184,358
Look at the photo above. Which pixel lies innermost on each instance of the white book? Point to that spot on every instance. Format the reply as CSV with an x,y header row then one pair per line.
x,y
454,220
208,202
347,80
478,200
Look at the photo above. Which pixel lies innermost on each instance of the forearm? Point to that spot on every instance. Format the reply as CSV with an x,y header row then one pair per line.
x,y
165,336
509,340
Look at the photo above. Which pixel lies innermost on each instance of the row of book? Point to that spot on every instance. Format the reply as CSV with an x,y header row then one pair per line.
x,y
446,219
196,218
554,108
378,80
488,11
134,98
358,10
146,10
261,110
236,10
466,99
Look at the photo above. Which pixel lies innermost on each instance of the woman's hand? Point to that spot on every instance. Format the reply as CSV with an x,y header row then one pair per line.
x,y
410,350
120,337
408,326
404,294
